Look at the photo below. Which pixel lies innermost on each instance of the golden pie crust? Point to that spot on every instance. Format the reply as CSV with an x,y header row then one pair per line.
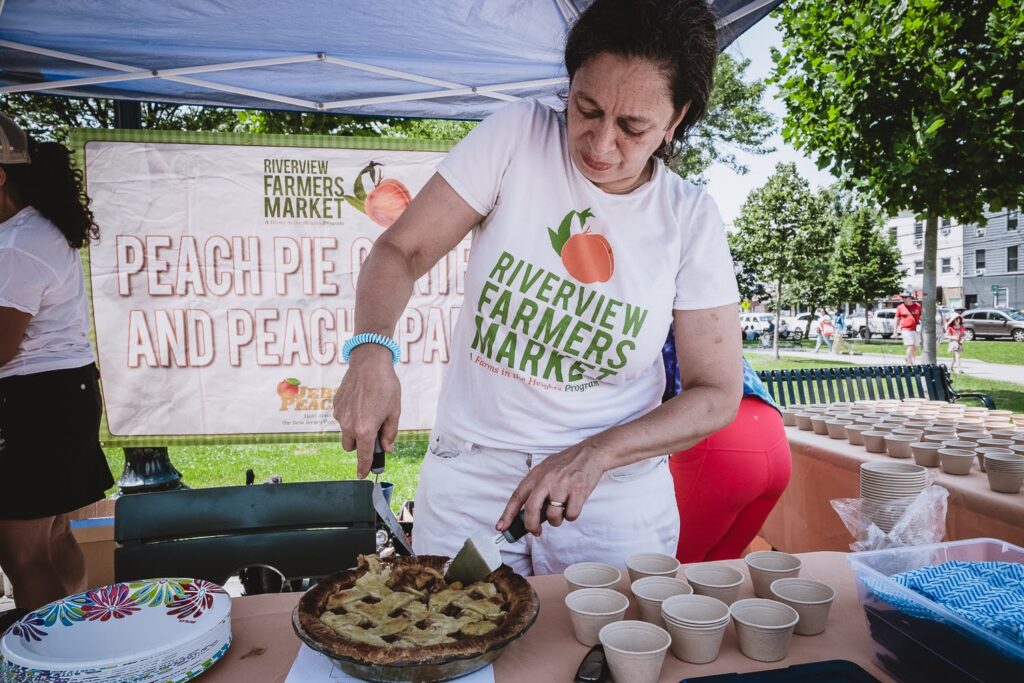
x,y
400,611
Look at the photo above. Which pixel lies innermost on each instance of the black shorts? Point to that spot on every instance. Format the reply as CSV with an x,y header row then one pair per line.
x,y
50,456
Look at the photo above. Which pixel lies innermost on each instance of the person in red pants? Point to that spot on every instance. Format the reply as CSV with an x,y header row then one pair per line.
x,y
727,484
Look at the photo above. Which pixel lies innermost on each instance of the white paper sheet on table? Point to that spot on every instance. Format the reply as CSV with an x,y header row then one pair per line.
x,y
313,667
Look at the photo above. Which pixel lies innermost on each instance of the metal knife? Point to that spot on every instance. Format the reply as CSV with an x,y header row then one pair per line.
x,y
380,504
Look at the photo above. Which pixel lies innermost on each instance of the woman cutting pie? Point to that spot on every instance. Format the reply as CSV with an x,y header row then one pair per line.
x,y
585,249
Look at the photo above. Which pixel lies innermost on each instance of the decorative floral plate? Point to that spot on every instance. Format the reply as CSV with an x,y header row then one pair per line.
x,y
158,629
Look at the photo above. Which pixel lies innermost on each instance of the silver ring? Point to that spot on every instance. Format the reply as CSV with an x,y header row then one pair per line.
x,y
556,504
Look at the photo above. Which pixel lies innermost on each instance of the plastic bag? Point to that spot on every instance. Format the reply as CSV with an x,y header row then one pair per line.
x,y
919,520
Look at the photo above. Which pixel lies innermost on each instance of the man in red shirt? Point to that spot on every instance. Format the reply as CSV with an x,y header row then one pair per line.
x,y
908,317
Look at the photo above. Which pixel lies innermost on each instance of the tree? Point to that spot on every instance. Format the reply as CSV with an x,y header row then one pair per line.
x,y
735,119
779,239
866,264
918,103
52,118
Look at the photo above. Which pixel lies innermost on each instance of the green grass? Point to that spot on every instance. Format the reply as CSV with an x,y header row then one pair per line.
x,y
990,351
207,466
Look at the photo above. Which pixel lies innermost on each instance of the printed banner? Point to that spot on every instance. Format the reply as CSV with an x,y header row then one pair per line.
x,y
223,284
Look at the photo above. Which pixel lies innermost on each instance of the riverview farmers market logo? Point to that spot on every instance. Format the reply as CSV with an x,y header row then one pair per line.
x,y
294,396
545,329
305,189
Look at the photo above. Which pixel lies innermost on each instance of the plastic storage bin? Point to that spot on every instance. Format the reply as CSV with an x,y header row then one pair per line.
x,y
934,644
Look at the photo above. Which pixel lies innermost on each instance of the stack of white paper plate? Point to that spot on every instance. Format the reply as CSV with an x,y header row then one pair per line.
x,y
166,630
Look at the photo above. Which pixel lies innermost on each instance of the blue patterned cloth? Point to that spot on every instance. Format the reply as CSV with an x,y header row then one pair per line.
x,y
752,385
987,594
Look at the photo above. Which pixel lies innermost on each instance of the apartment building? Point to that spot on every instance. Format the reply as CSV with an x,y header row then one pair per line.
x,y
909,235
993,256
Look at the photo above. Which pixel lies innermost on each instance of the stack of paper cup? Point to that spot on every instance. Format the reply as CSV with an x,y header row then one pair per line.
x,y
882,483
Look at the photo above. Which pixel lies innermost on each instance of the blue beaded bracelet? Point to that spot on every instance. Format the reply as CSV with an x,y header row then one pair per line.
x,y
372,338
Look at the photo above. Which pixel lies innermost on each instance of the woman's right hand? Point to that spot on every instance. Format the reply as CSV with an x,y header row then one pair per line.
x,y
368,402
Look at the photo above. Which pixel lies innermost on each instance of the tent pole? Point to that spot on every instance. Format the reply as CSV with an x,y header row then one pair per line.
x,y
145,469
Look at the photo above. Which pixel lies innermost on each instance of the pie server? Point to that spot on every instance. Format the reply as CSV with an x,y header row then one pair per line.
x,y
481,554
402,546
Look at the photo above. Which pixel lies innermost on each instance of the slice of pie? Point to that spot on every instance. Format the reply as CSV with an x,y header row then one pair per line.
x,y
400,611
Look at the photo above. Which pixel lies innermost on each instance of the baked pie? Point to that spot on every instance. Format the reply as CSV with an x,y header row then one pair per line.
x,y
401,611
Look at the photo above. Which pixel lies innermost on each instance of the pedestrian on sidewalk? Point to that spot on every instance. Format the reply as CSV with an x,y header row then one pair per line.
x,y
955,335
839,335
908,319
826,329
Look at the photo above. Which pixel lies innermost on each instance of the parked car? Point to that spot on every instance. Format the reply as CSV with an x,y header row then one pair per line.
x,y
878,323
798,325
981,323
756,321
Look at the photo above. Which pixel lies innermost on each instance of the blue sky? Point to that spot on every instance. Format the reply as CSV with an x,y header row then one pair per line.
x,y
730,189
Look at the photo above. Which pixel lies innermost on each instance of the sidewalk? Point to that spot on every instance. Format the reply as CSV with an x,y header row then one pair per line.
x,y
973,368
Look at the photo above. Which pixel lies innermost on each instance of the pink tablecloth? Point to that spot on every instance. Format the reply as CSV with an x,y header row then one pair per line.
x,y
824,469
264,645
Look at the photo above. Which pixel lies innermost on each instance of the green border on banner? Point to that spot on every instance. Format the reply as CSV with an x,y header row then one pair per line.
x,y
80,137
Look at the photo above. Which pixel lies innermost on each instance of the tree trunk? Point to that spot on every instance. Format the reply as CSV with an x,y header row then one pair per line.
x,y
931,242
778,318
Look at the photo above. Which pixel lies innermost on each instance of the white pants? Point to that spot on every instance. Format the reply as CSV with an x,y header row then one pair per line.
x,y
464,488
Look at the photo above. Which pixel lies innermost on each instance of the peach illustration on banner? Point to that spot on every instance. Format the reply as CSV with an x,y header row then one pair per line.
x,y
288,388
385,202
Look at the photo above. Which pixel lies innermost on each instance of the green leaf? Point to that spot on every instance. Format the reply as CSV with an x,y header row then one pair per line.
x,y
936,124
558,239
357,203
360,192
294,382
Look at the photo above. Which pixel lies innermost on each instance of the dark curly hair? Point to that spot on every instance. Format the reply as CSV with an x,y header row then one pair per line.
x,y
54,187
677,35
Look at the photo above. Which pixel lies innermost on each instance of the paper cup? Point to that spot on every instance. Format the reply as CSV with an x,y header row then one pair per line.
x,y
1005,482
651,591
898,445
874,441
766,566
591,609
715,580
696,624
764,628
635,650
591,575
926,453
819,424
651,564
812,600
956,461
855,433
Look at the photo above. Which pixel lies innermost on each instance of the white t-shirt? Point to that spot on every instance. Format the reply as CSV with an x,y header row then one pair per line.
x,y
40,274
559,339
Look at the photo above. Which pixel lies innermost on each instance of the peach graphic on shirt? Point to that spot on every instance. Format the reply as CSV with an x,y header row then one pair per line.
x,y
385,202
587,256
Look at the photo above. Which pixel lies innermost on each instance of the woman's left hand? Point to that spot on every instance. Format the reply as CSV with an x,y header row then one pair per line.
x,y
568,477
